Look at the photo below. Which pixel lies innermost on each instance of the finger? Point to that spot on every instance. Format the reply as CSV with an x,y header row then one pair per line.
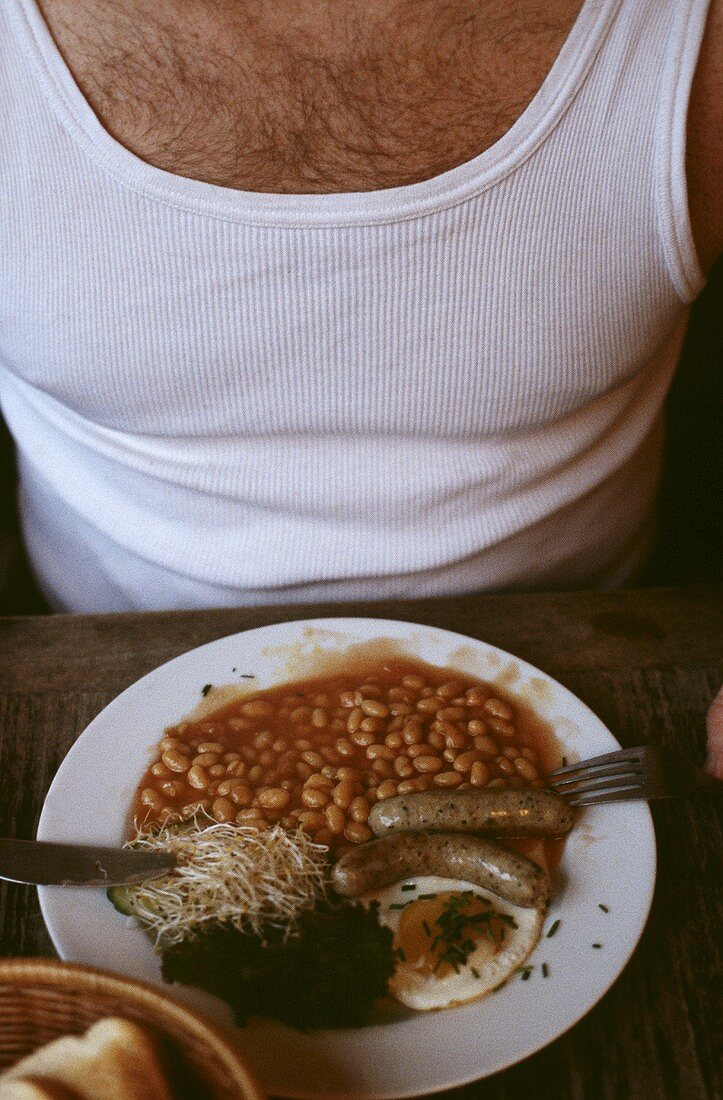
x,y
714,727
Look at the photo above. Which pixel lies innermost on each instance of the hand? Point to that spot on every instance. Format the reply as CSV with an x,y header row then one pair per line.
x,y
714,726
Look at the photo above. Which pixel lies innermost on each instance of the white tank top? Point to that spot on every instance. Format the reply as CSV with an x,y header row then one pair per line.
x,y
223,398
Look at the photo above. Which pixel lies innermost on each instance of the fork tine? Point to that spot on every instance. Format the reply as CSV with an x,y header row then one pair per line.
x,y
606,758
632,794
606,771
597,783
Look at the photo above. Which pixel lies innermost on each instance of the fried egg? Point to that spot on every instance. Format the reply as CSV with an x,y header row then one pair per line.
x,y
454,941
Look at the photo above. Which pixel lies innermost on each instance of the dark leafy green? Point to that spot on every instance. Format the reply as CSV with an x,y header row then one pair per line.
x,y
328,975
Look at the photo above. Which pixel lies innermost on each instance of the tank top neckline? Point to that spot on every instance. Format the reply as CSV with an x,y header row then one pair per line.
x,y
382,206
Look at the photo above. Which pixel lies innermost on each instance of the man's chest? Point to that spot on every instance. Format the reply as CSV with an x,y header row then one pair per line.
x,y
220,91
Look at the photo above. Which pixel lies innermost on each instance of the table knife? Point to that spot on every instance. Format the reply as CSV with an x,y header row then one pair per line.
x,y
42,863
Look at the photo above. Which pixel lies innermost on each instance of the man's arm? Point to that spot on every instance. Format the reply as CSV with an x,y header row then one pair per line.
x,y
704,159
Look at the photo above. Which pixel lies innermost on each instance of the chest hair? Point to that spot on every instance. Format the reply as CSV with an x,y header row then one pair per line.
x,y
215,90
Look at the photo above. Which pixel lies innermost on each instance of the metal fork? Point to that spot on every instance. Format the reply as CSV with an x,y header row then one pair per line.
x,y
643,773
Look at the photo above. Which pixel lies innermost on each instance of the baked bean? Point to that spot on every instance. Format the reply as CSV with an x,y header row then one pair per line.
x,y
359,809
436,740
273,798
505,765
175,761
324,836
450,755
527,770
224,810
406,786
393,740
231,757
505,729
252,822
197,778
280,744
348,698
355,719
330,754
236,767
357,832
344,747
498,708
206,759
303,770
382,768
448,691
240,724
300,714
257,708
447,779
370,688
343,794
372,725
319,719
374,708
151,798
313,758
477,727
486,745
316,779
387,789
529,754
256,774
465,760
430,704
266,758
211,746
412,734
511,752
475,696
193,808
170,743
479,774
311,820
217,770
452,714
428,764
362,738
400,710
403,767
160,771
355,775
239,792
416,683
379,752
329,771
335,819
314,798
453,738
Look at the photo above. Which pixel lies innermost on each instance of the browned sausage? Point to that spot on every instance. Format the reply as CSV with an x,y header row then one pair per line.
x,y
496,812
511,876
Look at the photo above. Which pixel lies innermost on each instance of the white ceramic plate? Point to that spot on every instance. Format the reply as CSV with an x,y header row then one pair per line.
x,y
609,859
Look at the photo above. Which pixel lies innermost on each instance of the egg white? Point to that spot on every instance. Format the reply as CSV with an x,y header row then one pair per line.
x,y
480,974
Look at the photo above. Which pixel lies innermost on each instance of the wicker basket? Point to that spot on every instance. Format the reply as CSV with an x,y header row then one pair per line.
x,y
41,1000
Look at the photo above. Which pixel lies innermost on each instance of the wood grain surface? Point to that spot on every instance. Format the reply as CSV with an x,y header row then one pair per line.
x,y
647,662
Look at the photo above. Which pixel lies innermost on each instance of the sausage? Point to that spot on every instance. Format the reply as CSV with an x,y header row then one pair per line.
x,y
496,812
391,858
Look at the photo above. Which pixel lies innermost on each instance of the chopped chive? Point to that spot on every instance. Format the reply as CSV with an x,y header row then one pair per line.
x,y
247,675
597,945
545,970
206,688
564,762
397,905
401,954
427,929
553,928
500,986
525,975
603,907
409,886
475,971
427,897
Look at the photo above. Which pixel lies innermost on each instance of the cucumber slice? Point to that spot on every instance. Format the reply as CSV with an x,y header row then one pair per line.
x,y
123,899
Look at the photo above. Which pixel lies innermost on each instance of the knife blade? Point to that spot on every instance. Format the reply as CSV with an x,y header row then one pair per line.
x,y
42,863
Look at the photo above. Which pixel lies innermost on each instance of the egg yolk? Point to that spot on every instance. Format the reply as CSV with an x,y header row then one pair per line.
x,y
436,935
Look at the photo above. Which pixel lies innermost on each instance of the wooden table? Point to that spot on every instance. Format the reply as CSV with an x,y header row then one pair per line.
x,y
647,662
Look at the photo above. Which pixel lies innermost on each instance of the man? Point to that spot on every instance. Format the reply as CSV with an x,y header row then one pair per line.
x,y
369,297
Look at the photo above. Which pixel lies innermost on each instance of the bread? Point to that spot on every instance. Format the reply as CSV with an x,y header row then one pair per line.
x,y
34,1088
115,1060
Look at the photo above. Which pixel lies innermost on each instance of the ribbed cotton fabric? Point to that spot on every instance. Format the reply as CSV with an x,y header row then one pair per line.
x,y
221,397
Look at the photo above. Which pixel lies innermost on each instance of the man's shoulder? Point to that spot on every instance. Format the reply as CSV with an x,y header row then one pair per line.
x,y
705,141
